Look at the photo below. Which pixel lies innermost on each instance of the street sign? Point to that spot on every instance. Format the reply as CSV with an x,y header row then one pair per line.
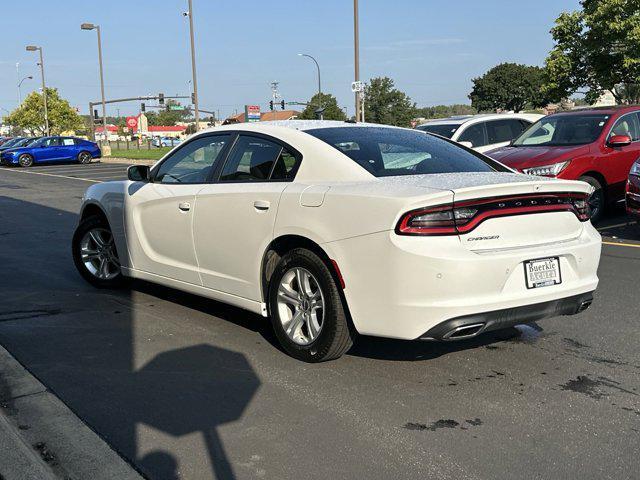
x,y
176,107
357,87
132,123
252,113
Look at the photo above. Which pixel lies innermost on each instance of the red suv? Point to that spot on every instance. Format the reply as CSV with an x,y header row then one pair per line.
x,y
596,145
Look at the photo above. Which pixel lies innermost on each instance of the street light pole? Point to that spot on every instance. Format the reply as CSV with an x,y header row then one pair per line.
x,y
28,77
105,131
319,83
196,110
356,47
33,48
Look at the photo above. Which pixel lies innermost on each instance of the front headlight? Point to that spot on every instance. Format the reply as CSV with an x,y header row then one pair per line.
x,y
546,170
635,168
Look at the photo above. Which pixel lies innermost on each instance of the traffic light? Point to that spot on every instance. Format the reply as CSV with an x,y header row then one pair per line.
x,y
161,98
193,98
143,107
271,105
95,113
282,104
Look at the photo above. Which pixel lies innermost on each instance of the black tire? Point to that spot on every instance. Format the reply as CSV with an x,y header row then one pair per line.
x,y
597,200
91,223
84,157
25,160
335,336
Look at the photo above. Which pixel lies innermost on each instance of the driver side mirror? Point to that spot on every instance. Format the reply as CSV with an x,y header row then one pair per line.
x,y
466,144
138,173
619,141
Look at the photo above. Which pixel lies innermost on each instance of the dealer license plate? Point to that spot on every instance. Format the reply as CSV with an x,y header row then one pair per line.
x,y
542,272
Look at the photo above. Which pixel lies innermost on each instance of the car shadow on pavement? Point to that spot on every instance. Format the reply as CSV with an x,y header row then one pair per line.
x,y
80,343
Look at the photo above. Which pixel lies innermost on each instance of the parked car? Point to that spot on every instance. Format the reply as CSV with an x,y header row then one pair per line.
x,y
482,132
166,142
633,192
16,141
332,228
4,140
51,149
596,145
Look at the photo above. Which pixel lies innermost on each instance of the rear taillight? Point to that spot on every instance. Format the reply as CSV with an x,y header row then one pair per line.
x,y
462,217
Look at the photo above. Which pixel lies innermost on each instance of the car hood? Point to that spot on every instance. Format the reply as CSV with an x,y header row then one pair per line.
x,y
527,157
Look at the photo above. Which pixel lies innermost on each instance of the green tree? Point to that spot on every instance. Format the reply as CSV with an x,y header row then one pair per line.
x,y
509,86
331,109
29,115
386,104
596,49
444,111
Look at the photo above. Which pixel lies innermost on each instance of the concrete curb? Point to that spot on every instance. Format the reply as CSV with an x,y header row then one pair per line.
x,y
128,161
41,438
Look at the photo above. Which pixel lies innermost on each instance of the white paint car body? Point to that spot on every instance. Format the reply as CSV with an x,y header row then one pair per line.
x,y
396,285
495,129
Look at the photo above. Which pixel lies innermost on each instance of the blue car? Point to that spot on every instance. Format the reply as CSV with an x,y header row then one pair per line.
x,y
51,149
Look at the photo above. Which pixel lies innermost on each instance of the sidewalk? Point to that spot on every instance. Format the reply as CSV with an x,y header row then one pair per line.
x,y
41,439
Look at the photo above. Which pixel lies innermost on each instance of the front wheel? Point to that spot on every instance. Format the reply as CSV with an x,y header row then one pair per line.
x,y
95,255
596,200
84,158
25,160
307,312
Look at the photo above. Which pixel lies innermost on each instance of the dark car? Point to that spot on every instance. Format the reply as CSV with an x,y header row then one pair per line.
x,y
51,149
14,142
633,192
596,145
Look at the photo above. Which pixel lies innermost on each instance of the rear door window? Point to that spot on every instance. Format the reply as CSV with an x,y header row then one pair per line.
x,y
257,159
475,134
500,131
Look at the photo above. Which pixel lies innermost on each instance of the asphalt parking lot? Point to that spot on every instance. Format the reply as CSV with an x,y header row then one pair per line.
x,y
184,387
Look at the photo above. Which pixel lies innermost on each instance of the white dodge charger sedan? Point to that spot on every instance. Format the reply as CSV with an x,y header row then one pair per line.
x,y
333,229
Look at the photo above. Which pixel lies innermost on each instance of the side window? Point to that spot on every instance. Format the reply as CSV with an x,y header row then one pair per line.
x,y
285,166
500,131
68,142
474,134
627,125
52,142
193,162
253,158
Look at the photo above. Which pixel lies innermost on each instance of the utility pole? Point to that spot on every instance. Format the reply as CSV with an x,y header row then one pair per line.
x,y
356,47
33,48
196,110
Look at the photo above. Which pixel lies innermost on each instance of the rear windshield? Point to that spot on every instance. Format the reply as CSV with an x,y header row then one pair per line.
x,y
386,152
563,130
444,130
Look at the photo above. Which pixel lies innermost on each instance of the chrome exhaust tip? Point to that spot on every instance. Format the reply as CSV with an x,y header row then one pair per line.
x,y
584,305
464,331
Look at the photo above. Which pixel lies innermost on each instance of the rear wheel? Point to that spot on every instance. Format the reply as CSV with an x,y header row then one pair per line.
x,y
597,200
306,308
25,160
84,157
95,254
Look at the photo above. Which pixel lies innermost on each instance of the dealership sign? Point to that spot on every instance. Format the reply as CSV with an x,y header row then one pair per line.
x,y
252,113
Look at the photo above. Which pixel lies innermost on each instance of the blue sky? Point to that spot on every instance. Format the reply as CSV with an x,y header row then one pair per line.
x,y
431,48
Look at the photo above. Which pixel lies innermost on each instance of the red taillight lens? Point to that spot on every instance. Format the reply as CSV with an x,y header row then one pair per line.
x,y
462,217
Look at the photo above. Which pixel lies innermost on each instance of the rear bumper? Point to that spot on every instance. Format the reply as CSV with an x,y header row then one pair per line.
x,y
403,287
472,325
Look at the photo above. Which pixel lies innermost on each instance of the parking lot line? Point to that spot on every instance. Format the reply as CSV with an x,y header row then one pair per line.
x,y
51,175
76,169
621,244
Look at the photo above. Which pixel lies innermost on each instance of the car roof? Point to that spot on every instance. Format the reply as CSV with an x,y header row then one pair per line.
x,y
611,110
462,119
272,127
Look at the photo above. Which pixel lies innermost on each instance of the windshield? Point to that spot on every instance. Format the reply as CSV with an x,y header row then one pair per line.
x,y
12,142
385,152
563,130
443,129
23,143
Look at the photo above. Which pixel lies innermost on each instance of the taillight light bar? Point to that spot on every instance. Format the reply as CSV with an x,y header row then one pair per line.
x,y
463,217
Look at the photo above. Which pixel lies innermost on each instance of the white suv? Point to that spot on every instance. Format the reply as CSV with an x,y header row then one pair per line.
x,y
482,132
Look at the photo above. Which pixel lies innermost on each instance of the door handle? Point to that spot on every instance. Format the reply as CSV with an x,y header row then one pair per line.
x,y
261,205
184,206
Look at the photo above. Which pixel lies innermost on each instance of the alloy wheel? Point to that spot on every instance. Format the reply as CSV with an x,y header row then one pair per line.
x,y
98,254
300,306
